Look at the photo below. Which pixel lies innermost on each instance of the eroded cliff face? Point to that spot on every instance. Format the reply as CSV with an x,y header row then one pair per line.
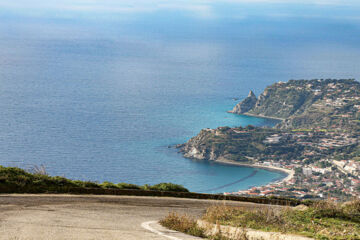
x,y
280,100
225,143
304,103
198,147
245,105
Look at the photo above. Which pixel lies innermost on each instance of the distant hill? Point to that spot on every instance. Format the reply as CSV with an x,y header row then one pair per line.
x,y
321,103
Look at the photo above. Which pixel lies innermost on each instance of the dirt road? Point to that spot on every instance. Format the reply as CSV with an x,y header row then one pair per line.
x,y
47,217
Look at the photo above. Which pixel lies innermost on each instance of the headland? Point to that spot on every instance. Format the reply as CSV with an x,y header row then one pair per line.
x,y
316,140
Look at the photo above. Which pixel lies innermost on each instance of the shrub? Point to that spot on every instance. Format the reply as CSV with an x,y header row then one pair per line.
x,y
326,209
17,180
168,187
86,184
352,209
127,186
182,223
109,185
188,225
241,216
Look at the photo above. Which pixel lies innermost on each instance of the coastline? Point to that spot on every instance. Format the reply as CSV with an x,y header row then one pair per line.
x,y
260,116
290,173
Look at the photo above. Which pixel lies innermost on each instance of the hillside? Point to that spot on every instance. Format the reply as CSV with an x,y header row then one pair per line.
x,y
308,104
318,138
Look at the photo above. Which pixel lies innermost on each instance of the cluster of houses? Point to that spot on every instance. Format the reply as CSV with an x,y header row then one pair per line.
x,y
312,181
348,166
314,178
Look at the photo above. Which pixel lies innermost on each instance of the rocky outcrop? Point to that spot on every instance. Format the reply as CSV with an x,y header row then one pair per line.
x,y
198,147
245,105
280,100
304,103
218,144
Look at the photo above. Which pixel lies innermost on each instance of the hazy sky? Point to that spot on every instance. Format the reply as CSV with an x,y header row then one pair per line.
x,y
199,8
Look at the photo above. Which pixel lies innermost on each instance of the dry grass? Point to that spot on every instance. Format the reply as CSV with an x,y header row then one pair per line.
x,y
352,208
188,225
182,223
38,170
322,220
245,217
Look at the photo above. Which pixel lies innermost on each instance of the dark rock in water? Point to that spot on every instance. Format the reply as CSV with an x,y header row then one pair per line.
x,y
245,105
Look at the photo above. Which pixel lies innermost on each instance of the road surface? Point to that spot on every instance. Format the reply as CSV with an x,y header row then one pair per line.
x,y
58,217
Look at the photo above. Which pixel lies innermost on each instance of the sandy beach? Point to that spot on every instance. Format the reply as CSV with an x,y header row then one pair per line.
x,y
260,116
290,173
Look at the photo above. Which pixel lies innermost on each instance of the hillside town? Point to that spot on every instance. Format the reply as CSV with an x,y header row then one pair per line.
x,y
327,167
328,179
316,141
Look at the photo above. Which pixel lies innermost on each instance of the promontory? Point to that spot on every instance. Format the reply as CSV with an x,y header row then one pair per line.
x,y
317,138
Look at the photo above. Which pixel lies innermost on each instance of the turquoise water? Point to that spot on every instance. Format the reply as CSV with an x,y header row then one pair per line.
x,y
98,91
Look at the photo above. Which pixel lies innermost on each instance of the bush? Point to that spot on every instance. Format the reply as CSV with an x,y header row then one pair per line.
x,y
168,187
16,180
127,186
182,223
108,185
86,184
352,208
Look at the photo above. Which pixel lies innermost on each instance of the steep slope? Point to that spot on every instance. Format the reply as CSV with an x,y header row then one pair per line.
x,y
308,103
246,105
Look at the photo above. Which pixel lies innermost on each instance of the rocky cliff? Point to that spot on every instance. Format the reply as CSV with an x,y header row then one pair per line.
x,y
224,143
304,103
245,105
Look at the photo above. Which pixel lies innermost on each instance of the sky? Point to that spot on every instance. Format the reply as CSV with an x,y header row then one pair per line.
x,y
206,9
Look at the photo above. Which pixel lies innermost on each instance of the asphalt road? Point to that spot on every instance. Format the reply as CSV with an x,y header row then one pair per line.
x,y
47,217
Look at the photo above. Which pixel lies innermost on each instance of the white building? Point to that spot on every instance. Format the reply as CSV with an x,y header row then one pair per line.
x,y
307,171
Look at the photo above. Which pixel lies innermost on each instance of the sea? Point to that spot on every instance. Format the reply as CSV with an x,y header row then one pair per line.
x,y
103,90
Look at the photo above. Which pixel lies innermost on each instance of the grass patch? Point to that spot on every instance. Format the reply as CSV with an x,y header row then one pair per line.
x,y
322,220
170,187
182,223
188,225
16,180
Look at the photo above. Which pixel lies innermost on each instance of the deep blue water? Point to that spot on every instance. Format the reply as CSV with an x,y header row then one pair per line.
x,y
97,91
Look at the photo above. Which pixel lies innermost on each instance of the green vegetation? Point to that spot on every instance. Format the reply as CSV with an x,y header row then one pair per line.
x,y
322,220
243,145
325,103
182,223
16,180
188,225
170,187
